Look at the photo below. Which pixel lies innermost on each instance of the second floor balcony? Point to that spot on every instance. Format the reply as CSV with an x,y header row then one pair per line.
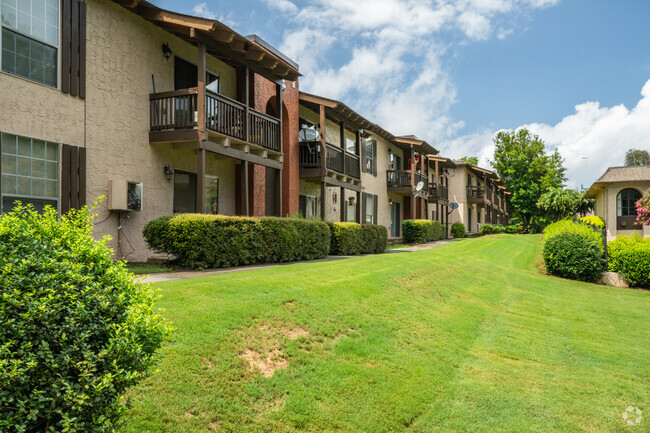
x,y
174,113
336,160
405,180
478,194
438,193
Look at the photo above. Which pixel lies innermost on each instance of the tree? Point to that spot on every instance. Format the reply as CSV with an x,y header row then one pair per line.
x,y
637,157
559,203
527,171
471,160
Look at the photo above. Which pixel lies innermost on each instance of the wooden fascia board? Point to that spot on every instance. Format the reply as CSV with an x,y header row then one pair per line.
x,y
317,100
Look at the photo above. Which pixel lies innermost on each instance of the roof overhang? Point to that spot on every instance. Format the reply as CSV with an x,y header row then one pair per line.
x,y
220,40
442,162
420,146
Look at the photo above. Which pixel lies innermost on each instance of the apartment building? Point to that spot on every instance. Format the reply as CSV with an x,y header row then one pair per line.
x,y
354,170
158,111
481,197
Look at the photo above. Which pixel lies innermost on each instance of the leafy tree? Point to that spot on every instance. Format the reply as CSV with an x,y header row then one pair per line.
x,y
637,157
526,171
472,160
559,203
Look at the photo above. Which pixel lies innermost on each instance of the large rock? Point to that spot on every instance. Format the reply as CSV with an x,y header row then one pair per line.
x,y
613,279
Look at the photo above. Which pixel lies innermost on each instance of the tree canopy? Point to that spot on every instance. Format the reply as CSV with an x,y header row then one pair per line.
x,y
527,171
472,160
559,203
637,157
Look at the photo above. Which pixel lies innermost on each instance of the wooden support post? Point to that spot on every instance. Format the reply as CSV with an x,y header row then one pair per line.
x,y
323,192
344,205
246,102
244,182
342,135
200,98
358,209
200,178
278,194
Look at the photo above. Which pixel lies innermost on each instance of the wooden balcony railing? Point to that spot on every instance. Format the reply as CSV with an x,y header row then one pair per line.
x,y
352,168
309,155
476,192
173,110
439,192
178,110
422,178
398,178
336,159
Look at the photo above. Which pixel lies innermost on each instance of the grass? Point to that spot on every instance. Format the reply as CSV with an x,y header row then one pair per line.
x,y
467,337
146,268
397,246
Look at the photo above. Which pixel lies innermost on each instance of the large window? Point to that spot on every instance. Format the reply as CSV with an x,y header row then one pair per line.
x,y
370,217
30,39
308,206
626,202
30,172
369,152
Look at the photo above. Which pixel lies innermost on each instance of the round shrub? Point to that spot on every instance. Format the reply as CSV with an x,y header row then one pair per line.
x,y
421,231
630,255
458,230
77,329
512,229
568,226
573,256
486,229
498,228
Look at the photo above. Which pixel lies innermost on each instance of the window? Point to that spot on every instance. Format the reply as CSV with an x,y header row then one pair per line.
x,y
212,82
184,192
30,172
626,202
370,217
211,199
308,205
30,39
350,145
369,147
469,180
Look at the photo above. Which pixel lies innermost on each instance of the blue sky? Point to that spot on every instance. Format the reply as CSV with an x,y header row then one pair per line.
x,y
455,72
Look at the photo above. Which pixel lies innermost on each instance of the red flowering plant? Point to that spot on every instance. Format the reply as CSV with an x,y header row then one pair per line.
x,y
643,209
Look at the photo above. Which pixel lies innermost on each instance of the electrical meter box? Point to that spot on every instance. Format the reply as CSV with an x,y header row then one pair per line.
x,y
125,195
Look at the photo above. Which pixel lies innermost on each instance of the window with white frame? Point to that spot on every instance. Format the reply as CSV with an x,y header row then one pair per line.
x,y
30,172
369,144
370,217
30,39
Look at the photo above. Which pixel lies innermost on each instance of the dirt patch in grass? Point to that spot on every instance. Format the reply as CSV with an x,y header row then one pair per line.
x,y
266,363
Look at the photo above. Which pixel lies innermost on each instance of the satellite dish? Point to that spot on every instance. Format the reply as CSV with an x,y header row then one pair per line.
x,y
453,205
419,186
308,134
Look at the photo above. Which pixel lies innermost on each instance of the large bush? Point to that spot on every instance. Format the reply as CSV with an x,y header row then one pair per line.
x,y
458,230
486,229
630,255
214,241
511,229
76,328
349,239
573,256
568,226
420,231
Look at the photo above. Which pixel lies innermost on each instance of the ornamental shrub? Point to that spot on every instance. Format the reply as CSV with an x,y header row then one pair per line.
x,y
77,328
498,228
573,256
595,221
568,226
512,229
630,255
421,231
486,229
348,239
202,241
458,230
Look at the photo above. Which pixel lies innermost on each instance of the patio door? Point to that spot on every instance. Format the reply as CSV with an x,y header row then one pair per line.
x,y
395,217
184,192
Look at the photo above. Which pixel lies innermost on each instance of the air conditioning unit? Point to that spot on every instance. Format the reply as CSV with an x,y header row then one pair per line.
x,y
125,195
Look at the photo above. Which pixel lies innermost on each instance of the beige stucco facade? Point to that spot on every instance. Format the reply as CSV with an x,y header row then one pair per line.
x,y
606,207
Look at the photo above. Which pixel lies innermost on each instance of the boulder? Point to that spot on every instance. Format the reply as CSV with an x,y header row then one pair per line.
x,y
613,279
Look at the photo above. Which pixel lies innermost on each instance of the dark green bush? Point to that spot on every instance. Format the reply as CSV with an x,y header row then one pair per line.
x,y
573,256
630,255
498,228
458,230
421,231
512,229
568,226
76,329
348,239
486,229
215,241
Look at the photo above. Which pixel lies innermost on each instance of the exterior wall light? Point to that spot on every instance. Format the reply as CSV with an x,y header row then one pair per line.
x,y
168,173
351,200
167,51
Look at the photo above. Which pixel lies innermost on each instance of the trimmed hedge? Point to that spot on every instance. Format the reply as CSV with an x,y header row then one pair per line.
x,y
488,229
348,239
77,328
573,256
568,226
215,241
512,229
458,230
630,255
421,231
595,221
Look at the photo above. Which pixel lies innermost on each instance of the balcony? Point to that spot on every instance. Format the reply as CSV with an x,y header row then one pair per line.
x,y
438,193
336,159
174,117
400,181
477,194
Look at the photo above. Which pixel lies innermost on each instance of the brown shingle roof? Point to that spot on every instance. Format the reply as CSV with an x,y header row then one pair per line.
x,y
638,173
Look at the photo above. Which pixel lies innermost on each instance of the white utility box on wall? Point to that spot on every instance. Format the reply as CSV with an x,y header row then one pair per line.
x,y
125,195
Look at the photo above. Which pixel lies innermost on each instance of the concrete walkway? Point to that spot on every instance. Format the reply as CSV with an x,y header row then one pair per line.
x,y
170,276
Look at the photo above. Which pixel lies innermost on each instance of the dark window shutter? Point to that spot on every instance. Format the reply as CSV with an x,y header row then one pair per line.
x,y
73,177
73,48
363,207
374,211
364,166
374,157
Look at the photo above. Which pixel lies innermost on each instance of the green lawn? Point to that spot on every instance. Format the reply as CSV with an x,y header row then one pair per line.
x,y
147,268
466,337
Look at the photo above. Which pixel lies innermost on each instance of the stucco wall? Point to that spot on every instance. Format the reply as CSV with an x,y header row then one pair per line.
x,y
606,207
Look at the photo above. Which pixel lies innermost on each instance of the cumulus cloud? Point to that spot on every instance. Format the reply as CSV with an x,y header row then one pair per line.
x,y
202,10
590,140
383,57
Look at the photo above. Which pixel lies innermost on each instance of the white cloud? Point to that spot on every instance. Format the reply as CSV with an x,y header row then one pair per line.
x,y
504,33
202,10
284,6
590,140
